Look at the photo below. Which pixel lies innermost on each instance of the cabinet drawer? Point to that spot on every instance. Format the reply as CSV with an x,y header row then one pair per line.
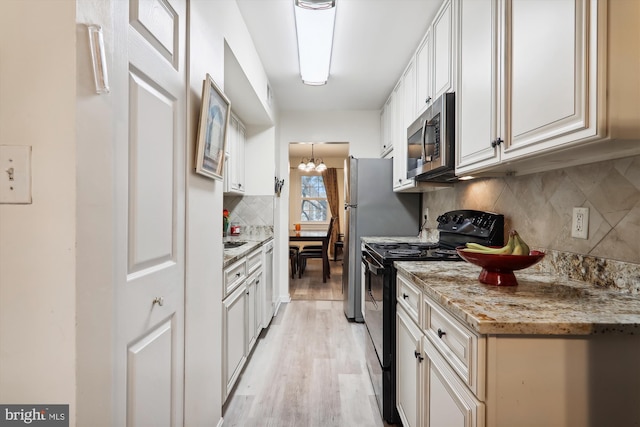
x,y
234,275
254,260
462,348
408,296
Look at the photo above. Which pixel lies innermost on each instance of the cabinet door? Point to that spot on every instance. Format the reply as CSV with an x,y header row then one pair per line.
x,y
446,400
388,125
269,294
549,74
408,116
236,140
240,158
252,293
398,134
442,28
478,85
408,337
423,74
234,340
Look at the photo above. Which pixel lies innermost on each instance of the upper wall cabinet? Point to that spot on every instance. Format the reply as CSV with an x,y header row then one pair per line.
x,y
543,84
434,59
405,106
387,124
478,93
234,168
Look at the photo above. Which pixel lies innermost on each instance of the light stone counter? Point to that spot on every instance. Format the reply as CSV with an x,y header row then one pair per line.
x,y
542,303
232,255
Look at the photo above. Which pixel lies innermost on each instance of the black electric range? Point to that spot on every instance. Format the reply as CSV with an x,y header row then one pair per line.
x,y
379,288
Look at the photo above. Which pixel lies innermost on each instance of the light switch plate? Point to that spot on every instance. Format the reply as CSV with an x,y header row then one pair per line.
x,y
15,174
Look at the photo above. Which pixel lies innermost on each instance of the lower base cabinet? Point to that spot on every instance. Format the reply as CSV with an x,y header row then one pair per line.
x,y
409,357
243,318
450,376
428,392
234,336
446,400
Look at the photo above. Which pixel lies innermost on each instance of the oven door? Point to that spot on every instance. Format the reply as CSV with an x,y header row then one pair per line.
x,y
374,302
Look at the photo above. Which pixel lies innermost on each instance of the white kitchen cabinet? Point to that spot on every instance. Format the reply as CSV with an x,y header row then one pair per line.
x,y
234,343
548,78
269,296
470,379
399,142
408,375
388,125
557,89
242,314
252,312
236,139
255,295
424,63
400,145
443,49
435,59
447,401
478,90
234,275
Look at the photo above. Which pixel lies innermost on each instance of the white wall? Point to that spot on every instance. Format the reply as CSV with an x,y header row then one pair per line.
x,y
361,129
94,225
37,241
203,293
211,24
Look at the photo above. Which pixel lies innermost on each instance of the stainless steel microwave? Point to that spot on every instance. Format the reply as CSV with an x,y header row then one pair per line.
x,y
431,142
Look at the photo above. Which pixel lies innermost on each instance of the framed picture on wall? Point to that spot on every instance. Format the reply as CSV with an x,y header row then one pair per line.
x,y
212,130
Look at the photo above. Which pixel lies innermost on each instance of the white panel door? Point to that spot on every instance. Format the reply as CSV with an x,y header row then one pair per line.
x,y
150,220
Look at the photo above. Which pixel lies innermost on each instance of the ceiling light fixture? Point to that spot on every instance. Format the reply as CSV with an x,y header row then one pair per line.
x,y
309,165
315,20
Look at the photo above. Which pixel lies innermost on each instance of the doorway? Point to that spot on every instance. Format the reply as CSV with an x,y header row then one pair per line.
x,y
310,204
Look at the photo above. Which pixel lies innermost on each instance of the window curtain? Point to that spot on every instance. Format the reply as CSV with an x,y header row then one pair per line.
x,y
330,177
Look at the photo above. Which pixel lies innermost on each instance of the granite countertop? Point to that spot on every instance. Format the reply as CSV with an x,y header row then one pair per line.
x,y
542,303
232,255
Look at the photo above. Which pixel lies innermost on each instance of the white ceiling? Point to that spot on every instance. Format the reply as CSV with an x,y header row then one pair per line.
x,y
373,42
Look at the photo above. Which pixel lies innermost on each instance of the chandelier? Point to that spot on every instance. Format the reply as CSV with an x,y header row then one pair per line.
x,y
309,165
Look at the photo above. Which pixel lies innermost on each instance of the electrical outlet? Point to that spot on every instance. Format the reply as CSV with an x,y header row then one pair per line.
x,y
580,223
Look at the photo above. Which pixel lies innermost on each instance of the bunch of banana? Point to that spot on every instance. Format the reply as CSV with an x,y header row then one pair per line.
x,y
515,246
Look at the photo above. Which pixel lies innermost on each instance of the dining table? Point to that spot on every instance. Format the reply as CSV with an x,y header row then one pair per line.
x,y
314,236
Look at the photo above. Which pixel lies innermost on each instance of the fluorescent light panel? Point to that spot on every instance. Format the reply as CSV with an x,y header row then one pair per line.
x,y
314,28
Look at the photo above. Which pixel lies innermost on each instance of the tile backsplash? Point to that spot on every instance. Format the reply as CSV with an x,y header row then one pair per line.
x,y
254,214
540,207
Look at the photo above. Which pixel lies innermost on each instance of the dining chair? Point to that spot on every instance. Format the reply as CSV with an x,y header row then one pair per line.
x,y
315,251
294,251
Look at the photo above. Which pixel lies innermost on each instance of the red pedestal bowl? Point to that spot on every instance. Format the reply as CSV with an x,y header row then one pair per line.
x,y
498,270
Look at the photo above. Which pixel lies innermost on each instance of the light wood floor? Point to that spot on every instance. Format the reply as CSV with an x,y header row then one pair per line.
x,y
307,370
310,286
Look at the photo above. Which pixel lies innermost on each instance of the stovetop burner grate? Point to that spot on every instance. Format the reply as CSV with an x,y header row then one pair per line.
x,y
424,246
405,252
387,245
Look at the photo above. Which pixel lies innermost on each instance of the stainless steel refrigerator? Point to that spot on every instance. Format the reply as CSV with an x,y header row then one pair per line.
x,y
371,209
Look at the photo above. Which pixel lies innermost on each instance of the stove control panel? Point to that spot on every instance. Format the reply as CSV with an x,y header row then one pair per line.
x,y
471,222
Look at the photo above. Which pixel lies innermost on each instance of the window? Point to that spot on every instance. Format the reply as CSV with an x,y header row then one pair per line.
x,y
314,206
